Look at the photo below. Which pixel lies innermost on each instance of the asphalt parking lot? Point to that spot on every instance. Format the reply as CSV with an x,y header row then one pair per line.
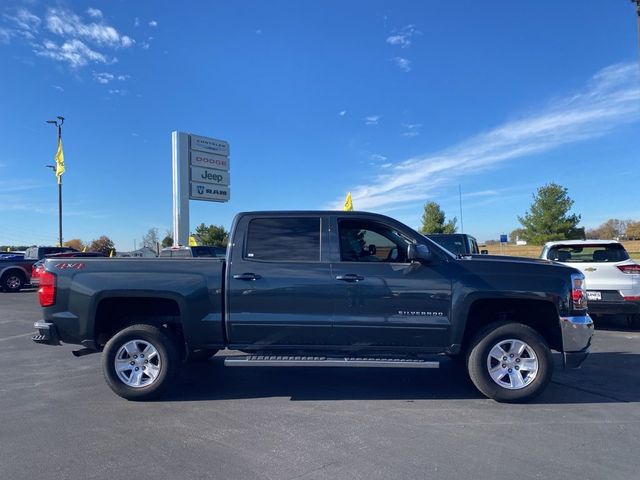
x,y
59,420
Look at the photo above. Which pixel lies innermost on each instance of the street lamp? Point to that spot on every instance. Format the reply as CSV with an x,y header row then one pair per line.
x,y
54,167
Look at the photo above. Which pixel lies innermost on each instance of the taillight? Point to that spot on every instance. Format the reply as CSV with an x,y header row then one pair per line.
x,y
634,298
578,292
631,268
47,290
34,272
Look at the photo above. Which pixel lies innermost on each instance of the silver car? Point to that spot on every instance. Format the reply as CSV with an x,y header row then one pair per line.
x,y
612,278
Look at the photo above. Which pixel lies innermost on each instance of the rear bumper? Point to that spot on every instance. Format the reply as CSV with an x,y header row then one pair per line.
x,y
576,339
47,333
620,307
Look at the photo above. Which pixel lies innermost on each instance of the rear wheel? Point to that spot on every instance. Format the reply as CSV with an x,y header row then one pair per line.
x,y
140,362
510,362
12,281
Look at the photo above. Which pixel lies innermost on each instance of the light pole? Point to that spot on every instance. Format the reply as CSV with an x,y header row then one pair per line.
x,y
59,177
637,2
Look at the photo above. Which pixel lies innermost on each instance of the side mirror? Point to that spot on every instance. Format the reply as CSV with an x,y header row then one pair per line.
x,y
418,252
484,252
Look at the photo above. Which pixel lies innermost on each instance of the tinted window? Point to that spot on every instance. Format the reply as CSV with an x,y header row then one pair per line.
x,y
284,239
613,252
202,252
453,243
362,241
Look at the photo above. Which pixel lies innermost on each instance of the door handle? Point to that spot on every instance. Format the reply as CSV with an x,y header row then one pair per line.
x,y
350,277
247,276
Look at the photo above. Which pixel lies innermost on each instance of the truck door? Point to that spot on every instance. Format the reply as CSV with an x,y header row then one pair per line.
x,y
279,283
383,300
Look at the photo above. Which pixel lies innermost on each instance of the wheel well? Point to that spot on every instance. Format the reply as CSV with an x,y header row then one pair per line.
x,y
114,314
540,315
15,270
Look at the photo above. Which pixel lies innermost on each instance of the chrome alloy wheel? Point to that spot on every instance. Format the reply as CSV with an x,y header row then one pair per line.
x,y
512,364
137,363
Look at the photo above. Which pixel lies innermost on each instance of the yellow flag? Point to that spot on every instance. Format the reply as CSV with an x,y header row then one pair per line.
x,y
84,249
59,161
192,241
111,254
348,204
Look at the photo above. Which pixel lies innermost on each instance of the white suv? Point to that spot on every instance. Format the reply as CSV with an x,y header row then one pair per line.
x,y
612,278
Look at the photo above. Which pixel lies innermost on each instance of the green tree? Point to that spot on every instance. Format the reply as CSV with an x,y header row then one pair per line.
x,y
548,216
103,245
433,220
167,241
213,235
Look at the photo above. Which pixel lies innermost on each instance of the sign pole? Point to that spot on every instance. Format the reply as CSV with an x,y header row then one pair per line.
x,y
60,194
180,167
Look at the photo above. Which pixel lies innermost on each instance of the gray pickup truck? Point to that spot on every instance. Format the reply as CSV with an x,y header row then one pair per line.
x,y
338,289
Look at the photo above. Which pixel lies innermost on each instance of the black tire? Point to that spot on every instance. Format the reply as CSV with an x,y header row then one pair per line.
x,y
478,361
13,281
168,362
200,355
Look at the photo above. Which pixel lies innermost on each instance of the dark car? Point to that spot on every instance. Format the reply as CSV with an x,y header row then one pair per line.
x,y
457,243
313,289
199,251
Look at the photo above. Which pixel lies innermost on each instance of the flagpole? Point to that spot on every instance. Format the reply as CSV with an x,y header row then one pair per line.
x,y
58,177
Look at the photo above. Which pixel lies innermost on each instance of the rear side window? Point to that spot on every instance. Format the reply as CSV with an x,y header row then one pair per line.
x,y
613,252
284,239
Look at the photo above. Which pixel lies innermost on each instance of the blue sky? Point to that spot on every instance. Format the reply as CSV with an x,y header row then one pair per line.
x,y
398,102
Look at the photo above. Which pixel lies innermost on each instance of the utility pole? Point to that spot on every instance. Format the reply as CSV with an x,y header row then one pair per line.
x,y
637,2
460,197
59,177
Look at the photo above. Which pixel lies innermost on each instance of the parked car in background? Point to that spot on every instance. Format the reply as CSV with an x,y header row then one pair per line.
x,y
457,243
15,273
612,278
199,251
38,268
38,253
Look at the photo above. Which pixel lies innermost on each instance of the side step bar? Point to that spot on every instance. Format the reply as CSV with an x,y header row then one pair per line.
x,y
301,361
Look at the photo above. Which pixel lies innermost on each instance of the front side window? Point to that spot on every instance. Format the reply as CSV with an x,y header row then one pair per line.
x,y
362,241
284,239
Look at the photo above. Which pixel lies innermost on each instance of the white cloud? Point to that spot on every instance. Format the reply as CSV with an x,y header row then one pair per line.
x,y
342,113
94,12
69,25
103,77
411,129
117,91
403,64
402,37
76,53
136,22
610,99
372,119
58,87
24,24
153,23
123,77
376,157
145,45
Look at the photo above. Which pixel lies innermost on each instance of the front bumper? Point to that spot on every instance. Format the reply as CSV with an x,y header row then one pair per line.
x,y
47,333
576,339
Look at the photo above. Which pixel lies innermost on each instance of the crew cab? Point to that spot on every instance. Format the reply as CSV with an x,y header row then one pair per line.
x,y
309,288
612,278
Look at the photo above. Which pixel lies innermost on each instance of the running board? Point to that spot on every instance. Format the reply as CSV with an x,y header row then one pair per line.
x,y
301,361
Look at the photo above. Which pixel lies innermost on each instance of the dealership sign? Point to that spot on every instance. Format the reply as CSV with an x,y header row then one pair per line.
x,y
200,172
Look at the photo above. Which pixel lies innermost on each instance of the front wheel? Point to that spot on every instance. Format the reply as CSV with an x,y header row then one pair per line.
x,y
510,362
140,362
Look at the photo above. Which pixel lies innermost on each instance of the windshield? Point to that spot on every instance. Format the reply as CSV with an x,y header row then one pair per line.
x,y
608,253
